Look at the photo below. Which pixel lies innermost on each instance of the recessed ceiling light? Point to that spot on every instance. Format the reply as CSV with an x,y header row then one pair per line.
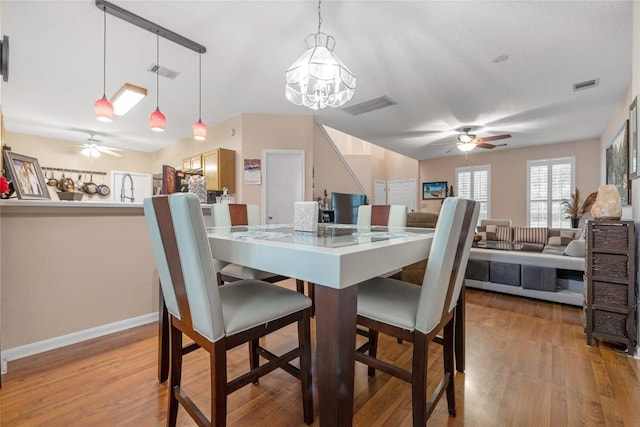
x,y
500,58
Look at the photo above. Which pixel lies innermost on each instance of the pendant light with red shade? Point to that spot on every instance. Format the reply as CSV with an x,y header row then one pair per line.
x,y
103,107
157,120
199,128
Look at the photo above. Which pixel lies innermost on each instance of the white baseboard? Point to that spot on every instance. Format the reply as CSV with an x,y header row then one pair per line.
x,y
75,337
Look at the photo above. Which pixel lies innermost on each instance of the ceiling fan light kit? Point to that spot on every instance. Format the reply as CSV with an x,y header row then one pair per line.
x,y
318,78
90,151
466,146
469,141
465,138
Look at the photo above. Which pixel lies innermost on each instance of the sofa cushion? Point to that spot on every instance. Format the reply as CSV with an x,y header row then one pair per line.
x,y
503,233
531,234
575,248
422,219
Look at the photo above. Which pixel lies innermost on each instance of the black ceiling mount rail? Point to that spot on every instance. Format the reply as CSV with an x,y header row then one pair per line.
x,y
145,24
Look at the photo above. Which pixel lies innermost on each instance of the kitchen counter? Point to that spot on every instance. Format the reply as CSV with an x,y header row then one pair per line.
x,y
66,204
73,270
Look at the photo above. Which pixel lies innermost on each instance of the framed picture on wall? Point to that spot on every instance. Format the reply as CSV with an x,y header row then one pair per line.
x,y
634,150
26,175
617,163
434,190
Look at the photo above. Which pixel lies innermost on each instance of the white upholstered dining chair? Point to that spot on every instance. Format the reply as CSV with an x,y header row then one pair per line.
x,y
231,214
219,318
417,314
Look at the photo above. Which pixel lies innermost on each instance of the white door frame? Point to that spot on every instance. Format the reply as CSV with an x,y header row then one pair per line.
x,y
265,165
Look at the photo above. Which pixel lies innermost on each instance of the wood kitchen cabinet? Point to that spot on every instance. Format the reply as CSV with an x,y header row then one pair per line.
x,y
192,163
219,169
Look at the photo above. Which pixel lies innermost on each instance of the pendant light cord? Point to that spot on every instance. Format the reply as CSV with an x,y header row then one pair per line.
x,y
319,16
200,88
158,71
104,57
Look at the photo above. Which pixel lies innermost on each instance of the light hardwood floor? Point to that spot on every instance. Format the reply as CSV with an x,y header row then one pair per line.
x,y
527,365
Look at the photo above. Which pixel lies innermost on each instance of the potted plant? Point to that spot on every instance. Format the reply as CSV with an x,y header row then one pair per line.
x,y
574,209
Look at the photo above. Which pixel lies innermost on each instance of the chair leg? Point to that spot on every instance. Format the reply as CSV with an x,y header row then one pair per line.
x,y
460,331
449,364
419,380
254,358
304,342
175,373
311,293
373,350
218,370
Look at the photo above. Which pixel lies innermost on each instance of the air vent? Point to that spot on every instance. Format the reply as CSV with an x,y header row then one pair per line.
x,y
585,85
163,71
370,105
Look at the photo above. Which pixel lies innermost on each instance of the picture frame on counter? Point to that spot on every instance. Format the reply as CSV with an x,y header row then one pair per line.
x,y
26,174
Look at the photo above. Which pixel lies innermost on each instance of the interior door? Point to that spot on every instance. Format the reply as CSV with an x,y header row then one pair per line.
x,y
380,194
403,192
283,184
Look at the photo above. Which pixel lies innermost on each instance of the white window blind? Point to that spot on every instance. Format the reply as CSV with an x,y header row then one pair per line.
x,y
549,182
473,183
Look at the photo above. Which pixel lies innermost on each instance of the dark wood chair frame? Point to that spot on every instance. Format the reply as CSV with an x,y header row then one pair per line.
x,y
417,377
220,386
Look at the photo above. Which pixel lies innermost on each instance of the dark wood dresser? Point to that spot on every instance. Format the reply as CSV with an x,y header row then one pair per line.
x,y
611,285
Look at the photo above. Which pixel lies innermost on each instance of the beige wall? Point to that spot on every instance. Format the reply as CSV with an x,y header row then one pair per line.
x,y
330,174
66,270
276,132
60,153
509,174
368,162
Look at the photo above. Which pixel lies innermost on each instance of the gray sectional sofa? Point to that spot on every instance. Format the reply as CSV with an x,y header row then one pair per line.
x,y
542,263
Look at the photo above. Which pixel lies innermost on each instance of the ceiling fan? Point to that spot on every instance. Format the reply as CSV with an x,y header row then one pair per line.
x,y
91,148
468,141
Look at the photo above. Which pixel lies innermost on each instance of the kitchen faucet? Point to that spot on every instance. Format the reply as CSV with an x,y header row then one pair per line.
x,y
122,196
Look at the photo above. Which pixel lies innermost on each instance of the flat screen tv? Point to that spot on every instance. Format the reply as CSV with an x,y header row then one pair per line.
x,y
345,207
434,190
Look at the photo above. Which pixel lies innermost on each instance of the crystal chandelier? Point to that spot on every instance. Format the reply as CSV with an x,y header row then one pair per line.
x,y
318,78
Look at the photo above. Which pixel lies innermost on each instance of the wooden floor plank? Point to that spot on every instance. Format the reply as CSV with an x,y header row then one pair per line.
x,y
527,365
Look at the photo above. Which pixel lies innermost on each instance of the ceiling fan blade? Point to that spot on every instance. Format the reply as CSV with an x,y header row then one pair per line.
x,y
108,151
493,138
489,146
485,145
100,147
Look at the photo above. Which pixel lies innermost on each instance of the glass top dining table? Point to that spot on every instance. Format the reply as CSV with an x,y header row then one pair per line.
x,y
335,258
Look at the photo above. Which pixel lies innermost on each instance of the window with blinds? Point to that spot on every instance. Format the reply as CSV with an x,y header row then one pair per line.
x,y
549,181
473,183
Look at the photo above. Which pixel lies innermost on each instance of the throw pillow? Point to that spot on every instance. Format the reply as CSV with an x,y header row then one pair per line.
x,y
531,234
503,233
575,248
487,232
560,237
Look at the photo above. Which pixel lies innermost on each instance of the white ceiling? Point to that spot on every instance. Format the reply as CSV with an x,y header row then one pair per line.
x,y
433,57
